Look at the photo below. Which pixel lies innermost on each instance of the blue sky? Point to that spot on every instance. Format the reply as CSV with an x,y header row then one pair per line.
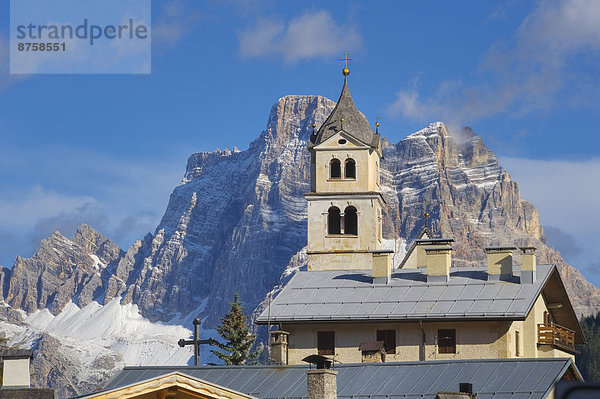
x,y
108,149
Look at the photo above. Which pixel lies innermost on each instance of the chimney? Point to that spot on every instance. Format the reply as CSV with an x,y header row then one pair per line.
x,y
322,381
439,260
465,391
279,347
15,368
499,263
465,387
422,244
382,266
528,265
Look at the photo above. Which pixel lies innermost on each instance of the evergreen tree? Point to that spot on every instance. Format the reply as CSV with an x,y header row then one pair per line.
x,y
588,361
236,334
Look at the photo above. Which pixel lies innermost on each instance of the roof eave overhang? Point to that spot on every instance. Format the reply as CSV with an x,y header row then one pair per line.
x,y
574,324
457,318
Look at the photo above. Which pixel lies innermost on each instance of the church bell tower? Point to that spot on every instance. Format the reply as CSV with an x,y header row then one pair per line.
x,y
345,202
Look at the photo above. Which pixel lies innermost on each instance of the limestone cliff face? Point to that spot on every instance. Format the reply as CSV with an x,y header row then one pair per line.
x,y
232,225
62,270
459,182
238,219
470,198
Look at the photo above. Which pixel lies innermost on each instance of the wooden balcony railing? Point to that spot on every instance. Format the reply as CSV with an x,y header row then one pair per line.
x,y
557,336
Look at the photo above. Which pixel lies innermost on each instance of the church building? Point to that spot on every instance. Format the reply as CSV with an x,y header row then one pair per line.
x,y
351,306
425,330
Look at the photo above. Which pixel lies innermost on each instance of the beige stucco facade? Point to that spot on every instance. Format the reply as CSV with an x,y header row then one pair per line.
x,y
336,192
344,251
493,339
366,163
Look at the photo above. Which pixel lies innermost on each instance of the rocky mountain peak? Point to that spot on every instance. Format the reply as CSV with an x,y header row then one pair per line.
x,y
61,270
237,222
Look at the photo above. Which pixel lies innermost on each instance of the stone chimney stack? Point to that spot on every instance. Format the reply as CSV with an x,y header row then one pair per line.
x,y
439,260
322,384
279,347
15,369
528,265
322,381
499,263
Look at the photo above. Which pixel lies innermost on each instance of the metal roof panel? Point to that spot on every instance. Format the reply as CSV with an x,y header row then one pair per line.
x,y
468,294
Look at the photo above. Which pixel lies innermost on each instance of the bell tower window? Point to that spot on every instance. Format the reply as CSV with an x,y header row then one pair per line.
x,y
333,221
350,221
335,169
350,169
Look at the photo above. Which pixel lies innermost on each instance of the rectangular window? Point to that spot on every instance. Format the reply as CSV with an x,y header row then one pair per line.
x,y
389,340
517,343
326,343
447,341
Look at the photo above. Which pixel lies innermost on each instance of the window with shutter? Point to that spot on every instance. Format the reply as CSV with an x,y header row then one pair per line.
x,y
447,341
389,340
326,343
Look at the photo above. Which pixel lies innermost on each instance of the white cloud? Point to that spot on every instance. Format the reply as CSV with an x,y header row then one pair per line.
x,y
26,208
311,35
122,198
529,74
552,185
174,20
566,194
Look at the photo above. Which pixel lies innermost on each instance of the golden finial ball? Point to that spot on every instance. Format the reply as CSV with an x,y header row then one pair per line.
x,y
342,120
426,214
346,71
314,125
376,124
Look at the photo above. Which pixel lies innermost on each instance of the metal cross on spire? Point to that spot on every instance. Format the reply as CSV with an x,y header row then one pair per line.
x,y
196,342
346,71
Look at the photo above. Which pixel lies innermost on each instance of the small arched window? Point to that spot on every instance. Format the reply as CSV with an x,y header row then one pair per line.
x,y
335,169
350,221
350,169
333,221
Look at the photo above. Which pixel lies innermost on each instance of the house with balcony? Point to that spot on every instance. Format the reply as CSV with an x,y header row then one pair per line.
x,y
351,306
425,330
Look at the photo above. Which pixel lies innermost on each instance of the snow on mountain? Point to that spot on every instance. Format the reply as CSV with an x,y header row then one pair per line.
x,y
98,340
237,224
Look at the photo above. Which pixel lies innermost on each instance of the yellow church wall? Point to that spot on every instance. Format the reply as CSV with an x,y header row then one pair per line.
x,y
366,171
327,251
474,340
346,261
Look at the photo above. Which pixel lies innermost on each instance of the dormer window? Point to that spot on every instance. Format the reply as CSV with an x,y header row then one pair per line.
x,y
333,221
335,169
350,169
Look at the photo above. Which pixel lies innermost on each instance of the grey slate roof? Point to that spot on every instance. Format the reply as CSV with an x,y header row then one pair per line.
x,y
355,123
497,378
350,295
